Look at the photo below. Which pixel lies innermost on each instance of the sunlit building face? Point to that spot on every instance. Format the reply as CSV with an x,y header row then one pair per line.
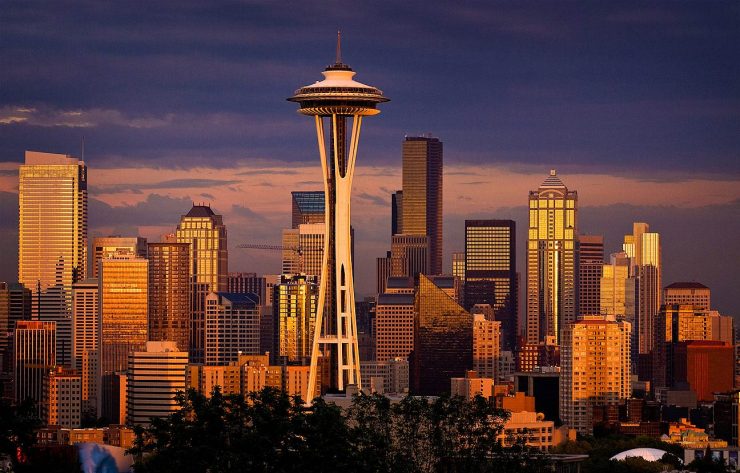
x,y
551,259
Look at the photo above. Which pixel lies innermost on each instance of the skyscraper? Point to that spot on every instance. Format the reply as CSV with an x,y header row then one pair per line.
x,y
595,369
61,403
490,272
34,343
394,326
422,194
303,249
110,246
169,293
551,259
232,327
643,248
410,255
206,234
15,305
249,283
694,293
123,317
486,346
590,264
296,299
443,340
86,342
52,238
307,207
334,100
396,213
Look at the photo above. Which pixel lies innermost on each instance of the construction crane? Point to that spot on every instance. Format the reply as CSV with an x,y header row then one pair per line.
x,y
262,246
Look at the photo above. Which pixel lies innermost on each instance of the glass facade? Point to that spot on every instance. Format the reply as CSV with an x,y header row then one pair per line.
x,y
307,207
644,248
551,259
169,293
443,340
123,311
206,234
110,246
490,272
422,194
52,237
590,263
86,341
296,299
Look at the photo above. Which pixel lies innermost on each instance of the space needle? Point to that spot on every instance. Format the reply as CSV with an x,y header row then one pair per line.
x,y
336,103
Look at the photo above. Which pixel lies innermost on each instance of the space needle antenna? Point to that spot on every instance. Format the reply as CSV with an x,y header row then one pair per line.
x,y
339,47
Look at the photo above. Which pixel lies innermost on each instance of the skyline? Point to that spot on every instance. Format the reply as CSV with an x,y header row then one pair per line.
x,y
643,128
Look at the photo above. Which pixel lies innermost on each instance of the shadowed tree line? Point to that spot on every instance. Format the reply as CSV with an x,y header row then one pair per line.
x,y
272,432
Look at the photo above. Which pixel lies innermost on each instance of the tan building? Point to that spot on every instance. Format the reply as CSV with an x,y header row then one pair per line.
x,y
123,317
52,238
169,293
617,289
691,293
679,323
409,255
86,341
206,234
422,194
232,327
595,369
394,326
534,431
644,250
551,260
112,246
155,376
471,386
205,378
34,344
62,404
486,346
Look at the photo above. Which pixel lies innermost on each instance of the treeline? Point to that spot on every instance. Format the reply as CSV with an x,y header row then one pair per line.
x,y
271,432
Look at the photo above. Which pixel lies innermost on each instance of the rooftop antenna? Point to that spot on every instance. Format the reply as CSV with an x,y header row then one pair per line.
x,y
82,151
339,47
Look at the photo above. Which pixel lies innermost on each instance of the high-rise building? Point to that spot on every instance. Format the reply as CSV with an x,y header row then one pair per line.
x,y
590,265
692,293
551,259
383,272
396,213
458,265
169,293
643,248
296,301
308,207
62,405
394,326
332,102
422,194
111,246
490,272
155,375
86,342
595,369
679,323
15,305
123,323
52,238
35,344
303,249
443,340
410,255
707,366
486,346
617,289
206,234
232,327
248,283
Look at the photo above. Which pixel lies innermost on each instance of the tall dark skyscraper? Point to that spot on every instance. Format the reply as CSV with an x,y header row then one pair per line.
x,y
443,340
396,213
307,207
490,272
422,194
590,268
169,293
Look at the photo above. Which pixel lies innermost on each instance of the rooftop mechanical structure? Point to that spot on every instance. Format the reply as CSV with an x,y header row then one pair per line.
x,y
337,103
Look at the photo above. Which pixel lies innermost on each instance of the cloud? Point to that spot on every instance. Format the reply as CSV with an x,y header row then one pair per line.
x,y
190,183
156,210
49,117
374,199
244,211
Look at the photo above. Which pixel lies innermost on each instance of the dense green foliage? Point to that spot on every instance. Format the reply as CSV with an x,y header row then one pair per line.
x,y
271,432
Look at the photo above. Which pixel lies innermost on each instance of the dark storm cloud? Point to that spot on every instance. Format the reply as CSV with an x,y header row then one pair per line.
x,y
638,86
155,210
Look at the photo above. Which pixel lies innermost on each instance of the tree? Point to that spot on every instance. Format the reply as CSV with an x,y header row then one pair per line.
x,y
18,423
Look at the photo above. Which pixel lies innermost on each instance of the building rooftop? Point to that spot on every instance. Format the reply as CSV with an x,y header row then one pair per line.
x,y
395,299
686,285
399,282
240,298
552,180
200,211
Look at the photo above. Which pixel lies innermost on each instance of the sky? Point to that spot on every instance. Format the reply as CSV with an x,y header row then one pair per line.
x,y
636,104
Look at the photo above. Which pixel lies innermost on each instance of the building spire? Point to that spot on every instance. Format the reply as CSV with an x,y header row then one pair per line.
x,y
339,47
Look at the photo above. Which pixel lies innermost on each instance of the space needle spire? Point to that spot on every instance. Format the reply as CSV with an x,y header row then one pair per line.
x,y
336,102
